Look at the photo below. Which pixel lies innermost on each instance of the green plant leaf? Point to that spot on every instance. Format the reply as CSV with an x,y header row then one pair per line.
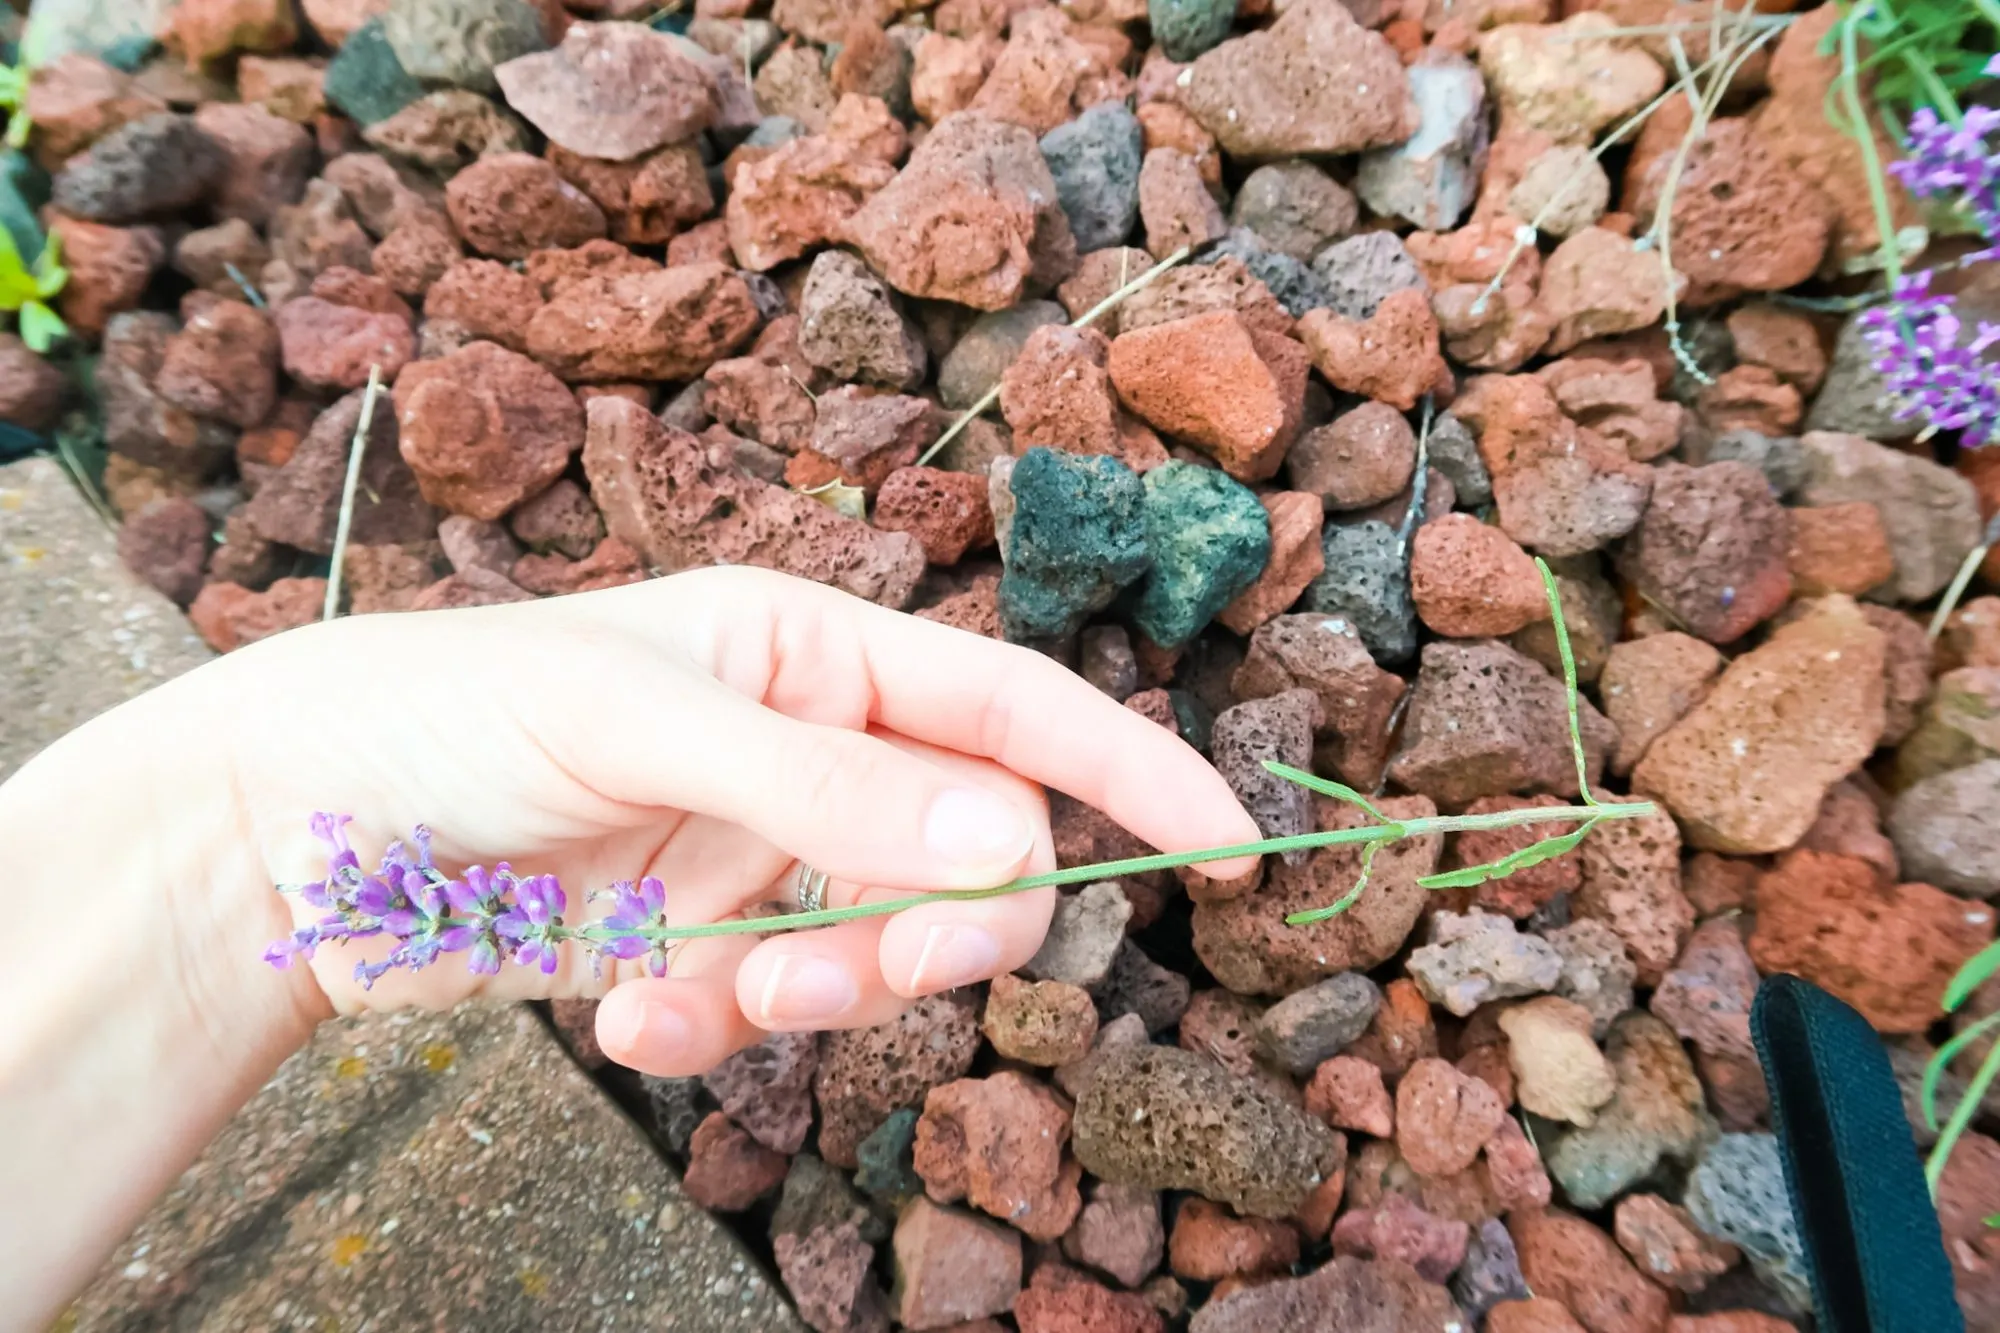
x,y
1971,976
1940,1061
1961,1116
1347,900
1532,855
1340,791
40,326
49,273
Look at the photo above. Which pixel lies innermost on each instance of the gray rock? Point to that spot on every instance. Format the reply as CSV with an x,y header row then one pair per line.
x,y
850,326
984,351
1947,830
1479,957
1296,286
157,164
1367,584
1597,973
1658,1115
1186,28
1294,208
1084,935
1737,1193
1138,985
679,1106
1778,457
1315,1024
81,633
1430,179
1929,512
460,41
1095,160
1454,450
433,1110
1361,270
1276,729
1491,1272
1853,397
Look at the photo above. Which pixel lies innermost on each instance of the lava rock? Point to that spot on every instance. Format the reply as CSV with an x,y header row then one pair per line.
x,y
1209,538
1095,161
1366,584
1309,1026
1474,959
1737,1193
1077,537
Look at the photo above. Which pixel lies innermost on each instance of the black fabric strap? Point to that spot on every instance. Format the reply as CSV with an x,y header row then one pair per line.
x,y
1871,1236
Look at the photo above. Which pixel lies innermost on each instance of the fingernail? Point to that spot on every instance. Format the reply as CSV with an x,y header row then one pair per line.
x,y
977,829
641,1028
954,956
804,989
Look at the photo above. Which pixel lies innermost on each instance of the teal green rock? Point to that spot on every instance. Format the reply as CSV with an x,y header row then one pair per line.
x,y
365,79
1078,538
1210,539
886,1159
1186,28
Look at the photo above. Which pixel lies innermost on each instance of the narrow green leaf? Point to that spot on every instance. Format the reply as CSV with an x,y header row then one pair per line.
x,y
1961,1116
1532,855
1351,897
1970,977
40,326
1569,678
1940,1061
1340,791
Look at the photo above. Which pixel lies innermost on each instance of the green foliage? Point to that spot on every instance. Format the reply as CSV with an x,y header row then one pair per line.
x,y
1969,978
1921,52
1532,855
29,288
14,98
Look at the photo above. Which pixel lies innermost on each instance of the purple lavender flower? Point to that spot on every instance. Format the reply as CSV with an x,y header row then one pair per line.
x,y
1946,160
491,916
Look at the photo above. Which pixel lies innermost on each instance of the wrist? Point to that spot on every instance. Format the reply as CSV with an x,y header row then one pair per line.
x,y
130,966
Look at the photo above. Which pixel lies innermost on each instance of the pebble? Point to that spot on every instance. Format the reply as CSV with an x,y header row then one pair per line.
x,y
1169,1119
767,1088
1656,1115
1567,1260
1470,580
1209,539
166,544
1946,831
1430,179
1929,513
299,504
484,428
1208,1244
1484,721
1477,958
1355,1295
1568,80
510,205
1043,1023
1490,1275
156,164
1176,209
1308,1026
1297,558
867,1073
1357,698
1444,1118
1077,1305
1315,82
1391,356
1737,774
1362,271
952,1266
365,79
1737,1194
1563,190
1887,949
884,1161
1662,1240
1233,390
1095,160
828,1273
1707,995
1839,548
727,1170
1361,458
460,41
1278,729
228,615
614,91
1398,1229
1185,29
1138,985
849,325
1650,684
1295,208
1712,549
1597,284
1558,1069
223,364
266,160
1597,973
655,324
1348,1093
997,1143
1078,537
1083,936
1366,585
1119,1233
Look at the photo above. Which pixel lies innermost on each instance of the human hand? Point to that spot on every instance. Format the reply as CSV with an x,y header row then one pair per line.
x,y
707,729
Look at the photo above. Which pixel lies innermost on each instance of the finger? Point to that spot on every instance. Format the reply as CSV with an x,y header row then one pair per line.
x,y
683,1024
817,979
939,946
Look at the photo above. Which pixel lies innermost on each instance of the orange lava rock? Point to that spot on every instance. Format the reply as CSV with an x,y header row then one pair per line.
x,y
1297,558
1231,390
228,615
946,511
1839,548
1783,341
1649,684
1208,1244
1471,581
1566,1259
1056,394
998,1143
1392,356
659,324
1347,1092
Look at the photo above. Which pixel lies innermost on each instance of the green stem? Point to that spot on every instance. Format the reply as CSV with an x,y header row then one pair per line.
x,y
1961,1116
1863,131
1139,865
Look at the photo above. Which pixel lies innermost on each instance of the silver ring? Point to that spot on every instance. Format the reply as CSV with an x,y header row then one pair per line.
x,y
809,888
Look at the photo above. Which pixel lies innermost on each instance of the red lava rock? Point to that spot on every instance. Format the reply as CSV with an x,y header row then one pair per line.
x,y
1247,945
1175,206
77,98
1964,1202
952,1266
1361,1295
576,1025
1567,1259
1718,884
1617,400
448,130
1749,398
1314,82
512,204
1347,1093
1363,457
31,390
472,542
1043,75
166,544
998,1143
1731,1321
1208,1244
485,428
1231,390
299,503
1223,1026
472,587
227,616
661,324
971,218
1887,949
1443,1118
1193,289
800,196
1514,1166
491,300
1045,1023
1056,394
728,1170
767,1088
1470,581
223,364
1535,1315
861,438
1649,684
1402,1033
1597,284
1118,1232
1663,1241
1392,356
612,564
267,159
1078,1305
1357,697
561,519
1839,548
415,255
1398,1229
1783,341
867,1073
109,268
318,232
200,31
946,511
828,1273
1706,997
388,578
294,89
1632,883
976,610
611,90
329,346
1296,560
1736,771
1485,721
